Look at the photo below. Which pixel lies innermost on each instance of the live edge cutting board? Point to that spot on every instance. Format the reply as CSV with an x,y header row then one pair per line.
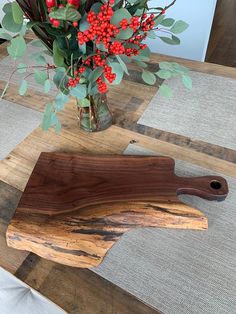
x,y
75,207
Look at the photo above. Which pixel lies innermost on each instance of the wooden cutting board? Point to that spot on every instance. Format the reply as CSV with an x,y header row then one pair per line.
x,y
75,207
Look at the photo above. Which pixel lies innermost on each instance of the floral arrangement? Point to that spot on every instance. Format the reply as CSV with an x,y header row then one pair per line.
x,y
90,43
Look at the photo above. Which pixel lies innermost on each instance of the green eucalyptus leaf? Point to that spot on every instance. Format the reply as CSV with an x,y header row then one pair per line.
x,y
117,69
95,74
23,87
164,74
165,90
141,64
167,22
47,117
58,58
83,103
123,65
96,7
9,24
4,35
17,47
148,77
40,76
152,34
17,13
80,91
84,24
158,20
66,14
37,43
179,27
7,7
171,41
119,15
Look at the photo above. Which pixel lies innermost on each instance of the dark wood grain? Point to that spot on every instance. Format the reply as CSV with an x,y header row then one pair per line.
x,y
75,207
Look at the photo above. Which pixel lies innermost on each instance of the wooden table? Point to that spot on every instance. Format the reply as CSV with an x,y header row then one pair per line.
x,y
76,290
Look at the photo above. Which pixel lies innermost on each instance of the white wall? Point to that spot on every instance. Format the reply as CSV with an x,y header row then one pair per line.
x,y
199,15
2,3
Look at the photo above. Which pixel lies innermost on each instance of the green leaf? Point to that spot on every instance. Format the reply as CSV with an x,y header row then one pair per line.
x,y
148,77
152,34
171,41
158,20
23,88
187,81
65,14
118,16
96,7
60,79
47,117
95,74
101,47
17,47
60,101
7,8
57,56
84,24
117,69
17,13
179,27
4,35
40,76
141,64
167,22
80,91
165,90
47,86
9,24
164,74
164,65
22,68
123,65
37,43
83,103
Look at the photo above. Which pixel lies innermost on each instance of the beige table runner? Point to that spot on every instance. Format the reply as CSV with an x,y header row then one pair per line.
x,y
206,113
181,271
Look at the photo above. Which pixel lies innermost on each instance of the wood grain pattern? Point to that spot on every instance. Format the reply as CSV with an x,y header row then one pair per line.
x,y
75,207
73,289
77,290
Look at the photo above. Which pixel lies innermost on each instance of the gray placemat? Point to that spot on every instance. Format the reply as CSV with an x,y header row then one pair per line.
x,y
180,271
16,123
205,113
18,298
7,66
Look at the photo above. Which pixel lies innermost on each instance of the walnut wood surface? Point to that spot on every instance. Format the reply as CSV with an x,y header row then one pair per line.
x,y
127,102
75,207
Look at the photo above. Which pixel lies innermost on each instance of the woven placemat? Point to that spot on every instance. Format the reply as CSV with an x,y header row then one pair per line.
x,y
206,113
180,271
16,123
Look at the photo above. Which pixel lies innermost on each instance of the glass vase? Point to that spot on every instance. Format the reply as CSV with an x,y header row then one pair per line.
x,y
96,117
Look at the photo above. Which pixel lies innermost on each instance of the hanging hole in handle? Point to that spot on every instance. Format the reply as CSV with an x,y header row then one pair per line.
x,y
216,185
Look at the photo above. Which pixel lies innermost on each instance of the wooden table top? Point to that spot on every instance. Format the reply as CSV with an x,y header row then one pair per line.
x,y
82,291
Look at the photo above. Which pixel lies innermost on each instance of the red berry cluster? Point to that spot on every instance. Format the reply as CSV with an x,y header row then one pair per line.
x,y
102,86
53,4
100,27
116,48
148,22
73,81
108,74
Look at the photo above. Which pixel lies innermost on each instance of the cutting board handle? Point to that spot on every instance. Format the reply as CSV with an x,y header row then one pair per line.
x,y
208,187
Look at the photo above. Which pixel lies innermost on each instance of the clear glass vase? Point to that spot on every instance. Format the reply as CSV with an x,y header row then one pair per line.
x,y
96,117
